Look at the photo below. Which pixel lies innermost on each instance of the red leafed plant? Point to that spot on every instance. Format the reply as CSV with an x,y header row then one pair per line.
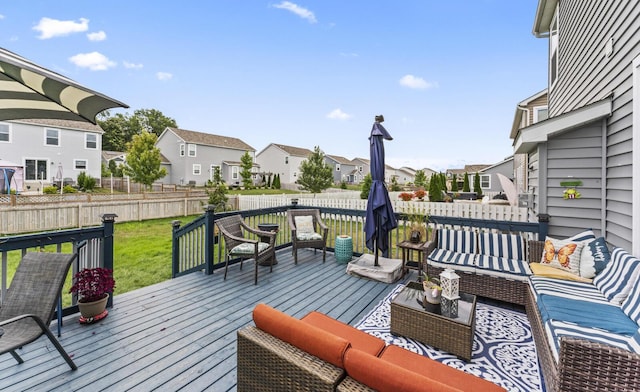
x,y
405,196
91,284
420,193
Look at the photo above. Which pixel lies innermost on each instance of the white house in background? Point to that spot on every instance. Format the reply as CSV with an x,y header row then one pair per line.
x,y
44,146
342,168
283,160
406,175
194,156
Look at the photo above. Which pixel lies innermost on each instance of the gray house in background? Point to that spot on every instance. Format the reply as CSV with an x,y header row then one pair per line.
x,y
194,156
594,100
342,168
283,160
44,147
489,181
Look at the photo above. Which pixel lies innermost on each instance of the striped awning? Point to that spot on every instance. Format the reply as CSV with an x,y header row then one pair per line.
x,y
28,91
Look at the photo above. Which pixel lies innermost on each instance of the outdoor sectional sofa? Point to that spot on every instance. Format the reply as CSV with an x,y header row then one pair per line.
x,y
587,332
318,353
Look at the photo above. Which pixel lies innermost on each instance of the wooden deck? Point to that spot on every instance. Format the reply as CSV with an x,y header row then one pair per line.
x,y
181,334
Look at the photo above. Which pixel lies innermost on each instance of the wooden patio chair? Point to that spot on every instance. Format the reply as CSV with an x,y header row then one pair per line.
x,y
236,245
30,302
304,224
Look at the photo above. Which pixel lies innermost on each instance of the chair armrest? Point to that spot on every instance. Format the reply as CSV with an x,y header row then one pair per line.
x,y
536,248
21,317
429,246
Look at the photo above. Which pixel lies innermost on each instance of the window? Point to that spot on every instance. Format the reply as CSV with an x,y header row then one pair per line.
x,y
80,164
286,160
51,137
182,150
197,169
485,181
540,113
234,172
5,133
553,50
337,167
191,150
212,171
91,141
360,169
35,169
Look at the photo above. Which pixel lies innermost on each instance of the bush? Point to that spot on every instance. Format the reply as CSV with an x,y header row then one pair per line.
x,y
70,189
50,190
86,182
405,196
420,194
343,185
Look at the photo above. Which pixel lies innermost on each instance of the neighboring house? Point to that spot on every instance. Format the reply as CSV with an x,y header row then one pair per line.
x,y
594,100
389,174
283,160
471,170
428,172
193,156
361,167
489,181
120,158
530,111
44,147
342,168
405,175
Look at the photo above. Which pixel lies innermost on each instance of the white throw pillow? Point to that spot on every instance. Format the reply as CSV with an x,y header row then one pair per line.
x,y
304,224
562,254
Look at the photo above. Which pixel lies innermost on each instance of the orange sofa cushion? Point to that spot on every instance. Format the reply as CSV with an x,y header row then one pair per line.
x,y
308,338
358,339
384,376
435,370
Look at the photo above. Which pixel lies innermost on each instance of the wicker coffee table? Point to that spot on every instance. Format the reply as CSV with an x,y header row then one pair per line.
x,y
409,318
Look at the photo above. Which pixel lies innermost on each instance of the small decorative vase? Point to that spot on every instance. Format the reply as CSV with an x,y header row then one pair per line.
x,y
432,292
415,236
92,309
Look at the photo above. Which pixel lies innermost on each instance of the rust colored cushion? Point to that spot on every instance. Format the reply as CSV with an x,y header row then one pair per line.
x,y
383,376
437,371
308,338
358,339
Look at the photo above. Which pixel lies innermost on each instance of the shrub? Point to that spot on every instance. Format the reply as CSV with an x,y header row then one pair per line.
x,y
420,194
69,189
86,182
50,190
406,196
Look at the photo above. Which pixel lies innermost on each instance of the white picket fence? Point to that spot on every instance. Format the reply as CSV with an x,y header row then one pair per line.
x,y
463,209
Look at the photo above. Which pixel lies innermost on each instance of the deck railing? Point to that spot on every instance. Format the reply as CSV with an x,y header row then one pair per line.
x,y
94,246
198,246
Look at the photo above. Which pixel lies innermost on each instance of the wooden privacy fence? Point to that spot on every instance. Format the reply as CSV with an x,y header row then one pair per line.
x,y
463,209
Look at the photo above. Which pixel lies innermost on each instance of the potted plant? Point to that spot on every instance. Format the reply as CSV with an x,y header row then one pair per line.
x,y
417,225
93,286
432,289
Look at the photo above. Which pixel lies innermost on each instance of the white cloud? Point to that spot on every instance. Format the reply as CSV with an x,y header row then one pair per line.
x,y
1,16
94,61
338,114
164,75
129,65
296,9
50,28
415,82
97,36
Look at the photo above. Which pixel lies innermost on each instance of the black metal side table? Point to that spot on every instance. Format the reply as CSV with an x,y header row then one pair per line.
x,y
274,227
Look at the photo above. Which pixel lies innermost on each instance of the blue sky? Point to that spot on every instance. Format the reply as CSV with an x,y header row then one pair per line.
x,y
447,75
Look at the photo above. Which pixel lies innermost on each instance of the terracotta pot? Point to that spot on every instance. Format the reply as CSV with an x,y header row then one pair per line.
x,y
92,309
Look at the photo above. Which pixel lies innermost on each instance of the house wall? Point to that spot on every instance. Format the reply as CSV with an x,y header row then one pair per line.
x,y
169,145
272,160
27,141
586,75
506,168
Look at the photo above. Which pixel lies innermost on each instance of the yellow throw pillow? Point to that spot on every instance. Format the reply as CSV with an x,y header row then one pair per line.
x,y
551,272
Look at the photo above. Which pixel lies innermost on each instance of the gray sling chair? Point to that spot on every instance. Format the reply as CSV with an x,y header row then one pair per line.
x,y
30,302
236,245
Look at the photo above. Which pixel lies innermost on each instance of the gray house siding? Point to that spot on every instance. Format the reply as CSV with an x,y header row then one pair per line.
x,y
586,74
505,168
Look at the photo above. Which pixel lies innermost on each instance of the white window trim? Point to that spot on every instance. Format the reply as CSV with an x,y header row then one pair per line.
x,y
536,112
554,48
182,150
47,166
59,137
337,167
86,140
196,169
86,164
234,172
485,176
9,132
191,148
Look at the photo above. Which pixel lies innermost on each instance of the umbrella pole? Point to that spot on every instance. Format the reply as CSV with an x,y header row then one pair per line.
x,y
375,241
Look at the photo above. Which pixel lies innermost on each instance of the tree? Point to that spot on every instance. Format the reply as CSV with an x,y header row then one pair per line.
x,y
315,173
120,128
246,165
395,187
269,180
435,190
143,159
276,181
218,192
421,179
465,183
454,183
366,186
476,185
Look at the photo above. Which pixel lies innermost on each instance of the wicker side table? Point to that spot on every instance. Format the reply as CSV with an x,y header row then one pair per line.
x,y
343,249
410,319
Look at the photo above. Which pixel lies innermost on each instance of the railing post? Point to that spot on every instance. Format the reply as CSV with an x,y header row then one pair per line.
x,y
210,210
175,249
543,220
108,221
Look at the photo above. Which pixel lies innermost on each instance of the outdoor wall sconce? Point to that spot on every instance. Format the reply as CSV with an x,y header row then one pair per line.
x,y
571,192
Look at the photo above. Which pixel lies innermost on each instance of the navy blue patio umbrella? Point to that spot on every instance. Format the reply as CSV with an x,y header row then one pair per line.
x,y
380,219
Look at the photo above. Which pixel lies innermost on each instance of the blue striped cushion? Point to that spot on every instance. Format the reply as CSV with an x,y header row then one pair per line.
x,y
586,235
619,276
503,264
462,241
510,246
449,257
631,305
556,329
567,289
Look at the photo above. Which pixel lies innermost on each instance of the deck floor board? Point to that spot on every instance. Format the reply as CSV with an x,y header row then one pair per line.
x,y
181,333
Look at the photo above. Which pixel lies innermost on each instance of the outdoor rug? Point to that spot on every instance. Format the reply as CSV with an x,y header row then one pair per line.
x,y
503,348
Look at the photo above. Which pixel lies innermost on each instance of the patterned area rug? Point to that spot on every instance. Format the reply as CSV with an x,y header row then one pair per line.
x,y
503,348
